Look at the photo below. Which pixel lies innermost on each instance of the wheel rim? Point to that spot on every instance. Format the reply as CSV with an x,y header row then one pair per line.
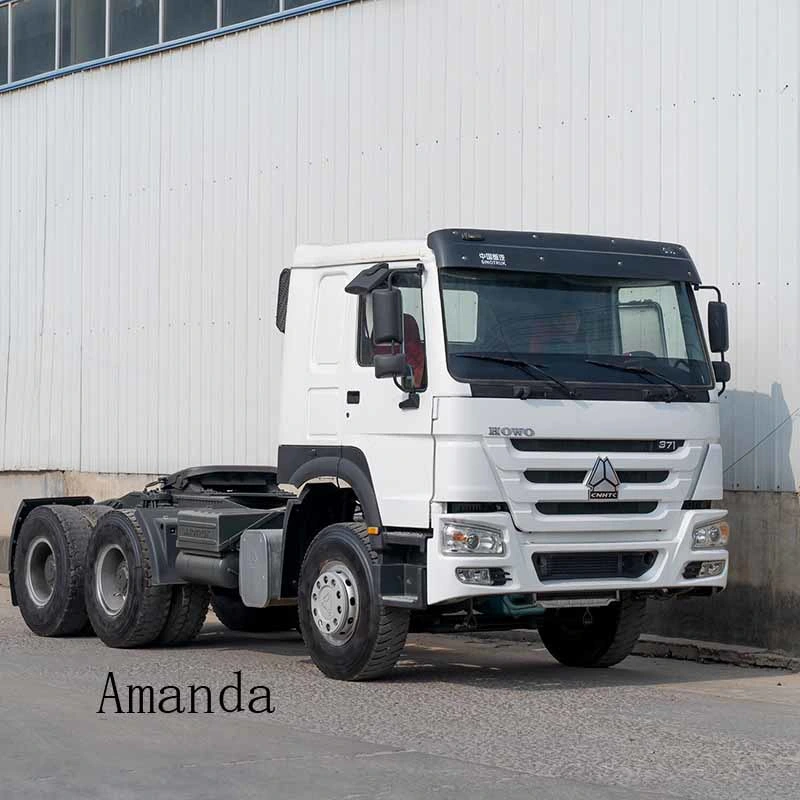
x,y
335,603
40,571
112,579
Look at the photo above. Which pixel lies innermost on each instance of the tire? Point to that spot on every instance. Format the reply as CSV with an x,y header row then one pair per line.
x,y
338,567
94,513
236,616
49,569
187,613
124,607
606,640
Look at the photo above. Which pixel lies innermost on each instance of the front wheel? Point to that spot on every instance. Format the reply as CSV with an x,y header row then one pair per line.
x,y
593,637
350,634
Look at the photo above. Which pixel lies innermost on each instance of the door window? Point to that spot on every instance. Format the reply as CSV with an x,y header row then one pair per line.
x,y
413,329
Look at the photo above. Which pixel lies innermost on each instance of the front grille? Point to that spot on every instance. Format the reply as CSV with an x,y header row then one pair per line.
x,y
555,475
693,505
475,508
613,507
586,566
596,445
578,475
643,475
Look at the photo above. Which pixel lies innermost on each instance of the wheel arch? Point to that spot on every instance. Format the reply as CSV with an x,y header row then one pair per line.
x,y
25,507
330,481
345,467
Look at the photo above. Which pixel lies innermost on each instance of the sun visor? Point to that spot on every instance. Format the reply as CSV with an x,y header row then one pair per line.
x,y
562,254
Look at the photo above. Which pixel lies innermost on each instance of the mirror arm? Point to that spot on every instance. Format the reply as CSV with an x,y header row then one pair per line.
x,y
711,288
724,383
716,289
418,270
412,401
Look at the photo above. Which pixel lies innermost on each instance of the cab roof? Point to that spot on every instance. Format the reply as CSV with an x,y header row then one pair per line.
x,y
558,253
310,256
562,253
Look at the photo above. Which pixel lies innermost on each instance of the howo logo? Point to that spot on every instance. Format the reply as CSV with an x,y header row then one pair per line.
x,y
515,432
603,481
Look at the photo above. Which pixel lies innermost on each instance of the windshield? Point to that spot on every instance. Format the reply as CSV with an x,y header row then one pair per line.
x,y
582,329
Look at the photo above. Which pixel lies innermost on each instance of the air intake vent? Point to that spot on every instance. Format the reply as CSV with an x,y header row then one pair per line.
x,y
690,505
596,445
588,566
475,508
642,475
555,475
600,509
578,475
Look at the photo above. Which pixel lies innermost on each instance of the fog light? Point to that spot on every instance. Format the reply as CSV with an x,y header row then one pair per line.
x,y
471,540
481,576
715,534
703,569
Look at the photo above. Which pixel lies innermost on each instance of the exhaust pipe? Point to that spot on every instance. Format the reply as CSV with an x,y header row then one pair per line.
x,y
223,572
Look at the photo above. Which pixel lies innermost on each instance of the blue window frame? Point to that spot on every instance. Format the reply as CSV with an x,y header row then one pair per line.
x,y
234,11
82,31
50,38
187,17
134,24
33,38
3,45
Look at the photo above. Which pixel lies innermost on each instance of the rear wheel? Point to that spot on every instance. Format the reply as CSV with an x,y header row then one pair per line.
x,y
350,634
187,613
125,608
48,570
94,513
236,616
593,637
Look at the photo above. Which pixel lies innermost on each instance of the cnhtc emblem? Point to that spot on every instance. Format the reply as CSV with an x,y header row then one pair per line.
x,y
603,481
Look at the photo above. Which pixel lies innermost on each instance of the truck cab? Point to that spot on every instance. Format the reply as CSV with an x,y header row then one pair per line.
x,y
485,429
542,407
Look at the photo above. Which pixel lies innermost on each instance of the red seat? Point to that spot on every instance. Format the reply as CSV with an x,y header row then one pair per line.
x,y
413,348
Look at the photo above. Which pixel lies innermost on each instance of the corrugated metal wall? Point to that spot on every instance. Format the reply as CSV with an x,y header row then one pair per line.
x,y
147,207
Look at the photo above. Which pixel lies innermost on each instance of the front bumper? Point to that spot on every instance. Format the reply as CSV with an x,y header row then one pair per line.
x,y
673,551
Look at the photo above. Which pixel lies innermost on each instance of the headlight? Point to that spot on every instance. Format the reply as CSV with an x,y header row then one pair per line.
x,y
714,534
472,540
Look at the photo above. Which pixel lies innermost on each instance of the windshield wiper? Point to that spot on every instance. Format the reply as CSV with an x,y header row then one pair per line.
x,y
640,370
537,371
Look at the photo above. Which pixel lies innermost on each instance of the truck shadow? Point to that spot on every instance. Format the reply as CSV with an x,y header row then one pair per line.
x,y
756,435
489,664
216,636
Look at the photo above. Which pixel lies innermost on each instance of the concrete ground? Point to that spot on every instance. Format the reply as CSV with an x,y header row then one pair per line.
x,y
458,718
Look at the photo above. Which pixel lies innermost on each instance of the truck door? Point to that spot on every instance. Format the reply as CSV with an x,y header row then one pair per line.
x,y
397,443
323,416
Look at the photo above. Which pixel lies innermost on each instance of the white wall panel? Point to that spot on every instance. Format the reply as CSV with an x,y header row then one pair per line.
x,y
147,207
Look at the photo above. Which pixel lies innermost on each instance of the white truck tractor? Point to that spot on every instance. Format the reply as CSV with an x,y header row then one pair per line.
x,y
485,430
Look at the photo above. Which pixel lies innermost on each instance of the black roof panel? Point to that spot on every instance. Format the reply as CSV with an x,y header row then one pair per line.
x,y
564,253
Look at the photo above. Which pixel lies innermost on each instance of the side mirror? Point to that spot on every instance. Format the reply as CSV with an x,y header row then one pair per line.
x,y
390,365
718,326
387,316
722,371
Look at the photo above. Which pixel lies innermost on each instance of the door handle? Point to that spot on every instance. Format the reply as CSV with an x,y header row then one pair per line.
x,y
353,397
